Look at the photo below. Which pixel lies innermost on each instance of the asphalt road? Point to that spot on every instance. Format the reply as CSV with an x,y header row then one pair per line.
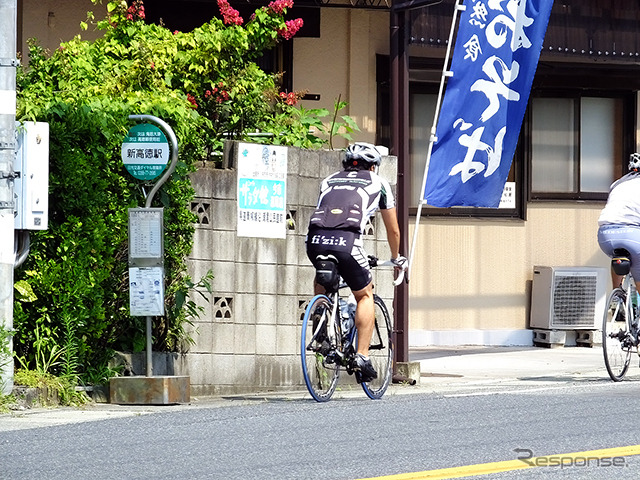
x,y
350,437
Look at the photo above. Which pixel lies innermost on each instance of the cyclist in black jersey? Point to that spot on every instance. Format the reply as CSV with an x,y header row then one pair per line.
x,y
347,199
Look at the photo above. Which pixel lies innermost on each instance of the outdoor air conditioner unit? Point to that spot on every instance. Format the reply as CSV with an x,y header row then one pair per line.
x,y
568,298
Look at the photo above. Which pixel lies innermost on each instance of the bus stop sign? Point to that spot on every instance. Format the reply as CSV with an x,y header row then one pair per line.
x,y
145,151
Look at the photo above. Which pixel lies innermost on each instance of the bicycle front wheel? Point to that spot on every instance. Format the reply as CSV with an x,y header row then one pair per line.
x,y
380,351
319,371
616,344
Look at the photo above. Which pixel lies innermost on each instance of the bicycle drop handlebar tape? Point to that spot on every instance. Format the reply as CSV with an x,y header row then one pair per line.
x,y
373,262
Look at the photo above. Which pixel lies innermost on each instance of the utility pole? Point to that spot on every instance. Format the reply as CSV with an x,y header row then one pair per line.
x,y
8,64
400,148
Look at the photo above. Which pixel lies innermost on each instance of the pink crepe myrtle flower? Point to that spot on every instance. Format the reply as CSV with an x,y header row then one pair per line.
x,y
230,16
290,98
278,6
136,10
192,100
291,28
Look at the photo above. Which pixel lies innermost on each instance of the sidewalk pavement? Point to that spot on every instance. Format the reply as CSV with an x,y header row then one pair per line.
x,y
455,367
459,370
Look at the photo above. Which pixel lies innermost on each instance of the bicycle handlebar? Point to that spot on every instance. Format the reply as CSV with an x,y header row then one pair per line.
x,y
374,262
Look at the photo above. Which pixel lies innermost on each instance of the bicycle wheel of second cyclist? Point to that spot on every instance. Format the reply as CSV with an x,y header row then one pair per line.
x,y
617,353
380,351
320,376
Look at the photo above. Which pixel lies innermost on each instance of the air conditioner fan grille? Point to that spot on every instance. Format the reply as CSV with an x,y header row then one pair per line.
x,y
574,300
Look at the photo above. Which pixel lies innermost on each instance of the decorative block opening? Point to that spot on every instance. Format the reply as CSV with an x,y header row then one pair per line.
x,y
222,307
291,220
370,227
302,306
201,209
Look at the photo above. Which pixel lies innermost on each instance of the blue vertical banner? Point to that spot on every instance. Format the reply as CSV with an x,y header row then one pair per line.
x,y
494,61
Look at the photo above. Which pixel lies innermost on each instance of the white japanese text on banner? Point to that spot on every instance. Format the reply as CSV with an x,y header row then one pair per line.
x,y
494,61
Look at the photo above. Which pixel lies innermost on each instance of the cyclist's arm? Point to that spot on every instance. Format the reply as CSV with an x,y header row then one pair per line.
x,y
390,219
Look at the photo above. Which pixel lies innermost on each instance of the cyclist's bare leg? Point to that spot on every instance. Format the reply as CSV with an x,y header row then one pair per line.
x,y
318,289
617,279
364,318
637,290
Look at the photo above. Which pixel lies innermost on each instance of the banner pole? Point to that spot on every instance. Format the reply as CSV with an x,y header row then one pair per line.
x,y
432,139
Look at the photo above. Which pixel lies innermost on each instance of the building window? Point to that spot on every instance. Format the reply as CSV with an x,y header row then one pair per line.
x,y
422,105
577,146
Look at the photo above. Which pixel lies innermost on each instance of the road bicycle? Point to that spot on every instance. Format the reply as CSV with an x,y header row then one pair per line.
x,y
328,338
619,325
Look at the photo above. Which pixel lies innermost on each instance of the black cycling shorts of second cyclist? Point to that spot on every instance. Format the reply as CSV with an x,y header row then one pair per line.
x,y
353,264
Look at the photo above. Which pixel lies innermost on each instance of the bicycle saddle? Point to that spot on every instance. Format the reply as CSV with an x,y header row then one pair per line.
x,y
621,263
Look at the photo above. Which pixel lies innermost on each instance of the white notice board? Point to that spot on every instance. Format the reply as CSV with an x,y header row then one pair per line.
x,y
146,291
146,233
508,199
262,190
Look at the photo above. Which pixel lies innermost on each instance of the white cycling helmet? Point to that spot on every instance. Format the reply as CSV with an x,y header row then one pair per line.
x,y
361,154
634,162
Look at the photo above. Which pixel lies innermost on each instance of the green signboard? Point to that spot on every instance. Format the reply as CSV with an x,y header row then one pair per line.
x,y
145,151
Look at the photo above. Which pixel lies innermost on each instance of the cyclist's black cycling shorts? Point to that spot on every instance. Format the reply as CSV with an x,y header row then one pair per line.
x,y
353,264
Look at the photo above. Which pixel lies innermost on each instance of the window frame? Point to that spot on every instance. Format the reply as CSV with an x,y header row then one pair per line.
x,y
629,101
517,170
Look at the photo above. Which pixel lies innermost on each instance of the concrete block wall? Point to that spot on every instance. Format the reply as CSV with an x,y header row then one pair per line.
x,y
248,339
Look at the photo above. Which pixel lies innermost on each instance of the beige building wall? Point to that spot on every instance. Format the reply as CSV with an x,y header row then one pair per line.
x,y
53,22
471,278
342,64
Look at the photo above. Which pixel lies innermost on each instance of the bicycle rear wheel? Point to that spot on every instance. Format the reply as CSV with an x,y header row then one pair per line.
x,y
320,373
380,351
616,342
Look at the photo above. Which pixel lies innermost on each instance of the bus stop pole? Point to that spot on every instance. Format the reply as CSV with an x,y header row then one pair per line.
x,y
171,136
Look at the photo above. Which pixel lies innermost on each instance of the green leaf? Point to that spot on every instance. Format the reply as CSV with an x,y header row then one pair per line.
x,y
24,292
350,123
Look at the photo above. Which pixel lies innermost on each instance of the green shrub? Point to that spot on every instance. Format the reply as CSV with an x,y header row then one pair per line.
x,y
206,86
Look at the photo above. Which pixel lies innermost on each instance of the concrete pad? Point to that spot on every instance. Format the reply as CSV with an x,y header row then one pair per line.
x,y
549,338
139,390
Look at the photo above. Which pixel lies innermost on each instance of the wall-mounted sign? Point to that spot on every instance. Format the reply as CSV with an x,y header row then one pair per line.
x,y
508,199
262,190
